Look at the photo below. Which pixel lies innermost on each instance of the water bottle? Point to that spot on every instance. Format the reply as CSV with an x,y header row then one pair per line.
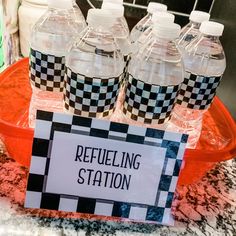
x,y
51,38
121,32
94,68
157,17
146,22
205,63
120,28
155,74
191,30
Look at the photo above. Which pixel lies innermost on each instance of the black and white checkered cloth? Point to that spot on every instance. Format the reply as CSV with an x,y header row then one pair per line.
x,y
90,97
47,71
47,123
197,92
149,103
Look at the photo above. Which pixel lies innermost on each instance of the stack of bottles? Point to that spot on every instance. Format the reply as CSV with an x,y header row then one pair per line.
x,y
158,75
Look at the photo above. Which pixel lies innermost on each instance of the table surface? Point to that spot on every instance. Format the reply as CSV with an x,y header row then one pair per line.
x,y
204,208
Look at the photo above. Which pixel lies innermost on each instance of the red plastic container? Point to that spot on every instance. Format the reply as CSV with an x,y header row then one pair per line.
x,y
15,92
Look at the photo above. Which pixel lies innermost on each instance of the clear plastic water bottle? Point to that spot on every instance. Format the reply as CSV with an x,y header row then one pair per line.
x,y
157,17
51,38
205,63
155,75
120,28
146,21
94,68
191,30
121,32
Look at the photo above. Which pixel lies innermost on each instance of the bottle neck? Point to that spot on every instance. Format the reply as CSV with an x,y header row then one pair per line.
x,y
163,41
195,25
162,37
100,29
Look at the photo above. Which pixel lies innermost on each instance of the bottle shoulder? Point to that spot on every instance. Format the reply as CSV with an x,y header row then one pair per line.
x,y
205,56
140,27
158,63
159,49
96,39
59,22
95,54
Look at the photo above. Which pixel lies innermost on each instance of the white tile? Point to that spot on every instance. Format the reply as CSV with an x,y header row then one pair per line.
x,y
138,213
180,154
103,209
173,184
62,118
42,129
172,136
50,71
162,199
33,199
168,218
72,97
69,205
37,165
100,124
170,166
136,130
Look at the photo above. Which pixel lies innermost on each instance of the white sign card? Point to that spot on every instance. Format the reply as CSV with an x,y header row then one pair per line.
x,y
105,168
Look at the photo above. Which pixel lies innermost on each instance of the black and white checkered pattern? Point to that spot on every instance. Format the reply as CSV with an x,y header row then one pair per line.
x,y
149,103
47,71
90,97
198,92
47,123
125,71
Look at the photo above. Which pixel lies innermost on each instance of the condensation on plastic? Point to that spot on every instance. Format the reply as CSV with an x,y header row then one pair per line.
x,y
217,142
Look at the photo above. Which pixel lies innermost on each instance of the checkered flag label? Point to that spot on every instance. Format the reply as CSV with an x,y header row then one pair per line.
x,y
197,92
90,97
149,103
125,71
47,71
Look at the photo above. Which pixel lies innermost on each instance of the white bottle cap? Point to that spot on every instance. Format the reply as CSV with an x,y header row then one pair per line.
x,y
60,4
100,17
199,16
120,2
167,30
211,28
116,9
162,17
154,6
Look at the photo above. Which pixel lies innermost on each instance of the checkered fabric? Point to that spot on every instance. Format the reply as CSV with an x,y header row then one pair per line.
x,y
47,71
47,123
90,97
197,92
149,103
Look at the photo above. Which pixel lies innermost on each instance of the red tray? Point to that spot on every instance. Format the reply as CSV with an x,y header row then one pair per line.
x,y
217,142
